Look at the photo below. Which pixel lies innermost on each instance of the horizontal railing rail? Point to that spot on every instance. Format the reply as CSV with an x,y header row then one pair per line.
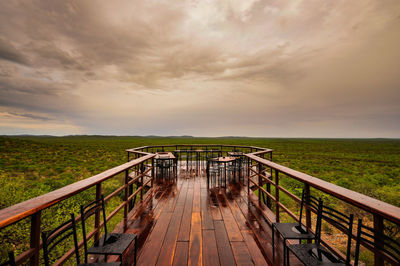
x,y
224,148
265,173
262,175
366,203
33,207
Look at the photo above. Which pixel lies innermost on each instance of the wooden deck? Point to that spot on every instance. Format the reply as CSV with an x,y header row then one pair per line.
x,y
185,223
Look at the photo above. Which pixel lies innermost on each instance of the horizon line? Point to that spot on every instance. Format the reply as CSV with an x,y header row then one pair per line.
x,y
186,136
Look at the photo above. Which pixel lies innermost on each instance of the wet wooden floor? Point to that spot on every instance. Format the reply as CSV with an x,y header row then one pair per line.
x,y
186,223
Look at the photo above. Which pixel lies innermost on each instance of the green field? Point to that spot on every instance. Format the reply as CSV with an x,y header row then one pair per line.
x,y
32,166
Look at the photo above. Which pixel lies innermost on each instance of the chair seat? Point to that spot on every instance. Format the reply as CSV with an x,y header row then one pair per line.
x,y
116,244
102,264
290,231
313,254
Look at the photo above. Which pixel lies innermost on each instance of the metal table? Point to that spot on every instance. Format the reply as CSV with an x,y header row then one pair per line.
x,y
165,162
220,160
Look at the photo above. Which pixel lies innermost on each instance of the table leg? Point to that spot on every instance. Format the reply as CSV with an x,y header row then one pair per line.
x,y
225,174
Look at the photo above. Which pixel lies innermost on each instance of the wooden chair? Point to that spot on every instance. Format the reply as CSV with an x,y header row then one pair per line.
x,y
61,233
315,253
387,245
296,230
110,243
10,261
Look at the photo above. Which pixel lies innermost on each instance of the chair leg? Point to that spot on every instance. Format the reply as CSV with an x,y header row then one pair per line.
x,y
284,251
134,260
287,257
273,242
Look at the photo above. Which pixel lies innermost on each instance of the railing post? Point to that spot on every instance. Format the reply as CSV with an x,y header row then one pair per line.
x,y
130,191
277,195
308,210
248,167
269,203
141,180
97,214
378,232
259,183
128,156
35,238
152,172
248,180
126,196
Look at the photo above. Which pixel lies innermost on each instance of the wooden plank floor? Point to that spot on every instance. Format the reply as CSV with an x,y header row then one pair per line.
x,y
186,223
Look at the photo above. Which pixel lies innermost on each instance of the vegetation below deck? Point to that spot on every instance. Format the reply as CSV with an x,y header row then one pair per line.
x,y
32,166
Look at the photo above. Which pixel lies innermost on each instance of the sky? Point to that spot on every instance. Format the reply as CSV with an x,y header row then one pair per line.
x,y
299,68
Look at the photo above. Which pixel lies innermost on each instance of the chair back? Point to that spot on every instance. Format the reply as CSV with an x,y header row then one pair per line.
x,y
10,261
92,208
312,202
213,165
387,245
341,221
59,234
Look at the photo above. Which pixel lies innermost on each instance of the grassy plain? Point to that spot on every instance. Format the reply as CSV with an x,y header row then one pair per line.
x,y
32,166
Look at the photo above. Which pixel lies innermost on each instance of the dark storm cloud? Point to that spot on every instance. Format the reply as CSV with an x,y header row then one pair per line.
x,y
8,52
168,66
30,116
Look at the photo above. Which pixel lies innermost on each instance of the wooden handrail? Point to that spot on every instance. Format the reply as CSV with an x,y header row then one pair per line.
x,y
24,209
380,210
367,203
259,149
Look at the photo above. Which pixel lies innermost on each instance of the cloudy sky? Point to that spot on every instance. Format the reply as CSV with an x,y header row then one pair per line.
x,y
299,68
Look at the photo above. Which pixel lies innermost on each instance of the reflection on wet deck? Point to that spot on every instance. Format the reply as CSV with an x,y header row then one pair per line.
x,y
186,223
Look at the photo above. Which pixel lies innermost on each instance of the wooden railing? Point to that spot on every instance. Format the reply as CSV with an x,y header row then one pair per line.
x,y
204,147
135,172
265,173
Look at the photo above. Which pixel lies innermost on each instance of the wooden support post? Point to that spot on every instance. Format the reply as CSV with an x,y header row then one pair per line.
x,y
35,238
248,167
126,196
378,233
269,203
97,214
152,172
308,210
277,195
128,156
248,181
141,180
260,167
208,173
131,202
